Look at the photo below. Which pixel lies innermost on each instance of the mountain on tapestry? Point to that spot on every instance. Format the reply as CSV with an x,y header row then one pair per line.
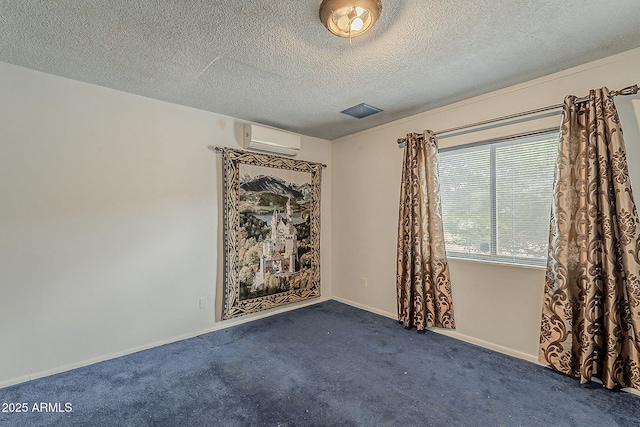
x,y
270,184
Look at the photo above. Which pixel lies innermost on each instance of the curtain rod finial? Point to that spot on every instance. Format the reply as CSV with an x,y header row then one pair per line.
x,y
631,90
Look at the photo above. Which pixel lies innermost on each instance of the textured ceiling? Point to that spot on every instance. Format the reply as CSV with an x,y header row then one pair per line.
x,y
272,61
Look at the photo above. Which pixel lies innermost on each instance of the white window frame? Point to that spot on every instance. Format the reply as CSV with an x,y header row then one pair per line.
x,y
493,255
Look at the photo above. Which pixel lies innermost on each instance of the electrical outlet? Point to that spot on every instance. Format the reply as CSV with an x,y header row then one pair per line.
x,y
203,302
363,282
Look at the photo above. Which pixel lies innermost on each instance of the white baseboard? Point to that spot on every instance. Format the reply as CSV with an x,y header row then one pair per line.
x,y
16,380
451,333
218,326
366,308
487,344
229,323
476,341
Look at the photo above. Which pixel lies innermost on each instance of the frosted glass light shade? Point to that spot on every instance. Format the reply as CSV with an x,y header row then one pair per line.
x,y
349,18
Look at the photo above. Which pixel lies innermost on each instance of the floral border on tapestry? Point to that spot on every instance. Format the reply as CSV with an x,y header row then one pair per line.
x,y
271,231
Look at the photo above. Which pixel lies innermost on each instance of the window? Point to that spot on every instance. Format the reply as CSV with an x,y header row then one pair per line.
x,y
496,198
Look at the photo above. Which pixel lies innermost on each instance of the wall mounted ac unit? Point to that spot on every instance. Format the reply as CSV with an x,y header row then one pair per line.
x,y
271,140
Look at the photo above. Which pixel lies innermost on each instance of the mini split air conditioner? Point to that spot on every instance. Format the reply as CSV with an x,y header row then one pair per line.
x,y
271,140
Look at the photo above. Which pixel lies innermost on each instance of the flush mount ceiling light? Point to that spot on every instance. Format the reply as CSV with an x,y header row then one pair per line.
x,y
349,18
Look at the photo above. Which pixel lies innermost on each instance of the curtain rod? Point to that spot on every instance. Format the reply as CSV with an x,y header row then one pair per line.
x,y
631,90
219,150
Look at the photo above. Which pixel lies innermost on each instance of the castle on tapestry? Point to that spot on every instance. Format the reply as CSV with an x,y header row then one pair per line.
x,y
279,250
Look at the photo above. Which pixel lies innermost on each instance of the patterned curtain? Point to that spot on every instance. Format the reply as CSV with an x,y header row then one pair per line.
x,y
422,281
591,314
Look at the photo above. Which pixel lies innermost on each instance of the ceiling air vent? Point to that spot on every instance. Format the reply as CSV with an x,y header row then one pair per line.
x,y
361,111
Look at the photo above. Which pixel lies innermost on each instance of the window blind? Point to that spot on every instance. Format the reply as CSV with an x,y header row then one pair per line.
x,y
496,198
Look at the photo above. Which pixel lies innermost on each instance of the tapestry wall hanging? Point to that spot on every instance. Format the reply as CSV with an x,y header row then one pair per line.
x,y
271,231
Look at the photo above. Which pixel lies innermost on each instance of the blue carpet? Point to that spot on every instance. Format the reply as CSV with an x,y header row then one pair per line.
x,y
323,365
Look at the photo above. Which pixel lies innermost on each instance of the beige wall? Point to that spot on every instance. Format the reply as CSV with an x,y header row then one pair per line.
x,y
497,306
109,221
